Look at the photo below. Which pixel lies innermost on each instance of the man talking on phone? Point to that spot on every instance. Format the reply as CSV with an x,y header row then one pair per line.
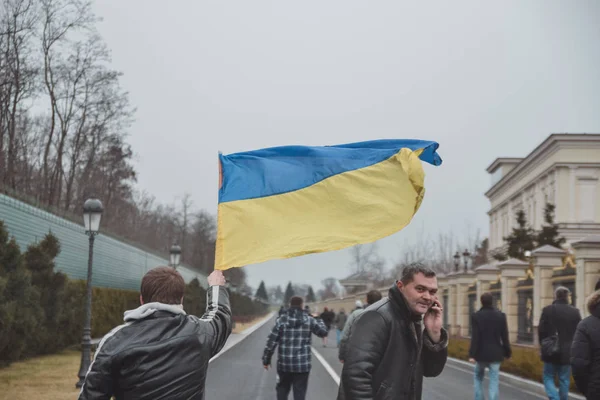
x,y
397,341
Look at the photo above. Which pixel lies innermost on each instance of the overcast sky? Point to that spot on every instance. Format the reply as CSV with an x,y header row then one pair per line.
x,y
484,79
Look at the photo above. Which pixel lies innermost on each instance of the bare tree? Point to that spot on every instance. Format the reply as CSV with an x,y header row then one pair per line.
x,y
366,260
330,289
60,18
63,129
17,78
438,251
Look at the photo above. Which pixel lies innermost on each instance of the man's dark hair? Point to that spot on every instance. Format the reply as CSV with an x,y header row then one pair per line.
x,y
409,272
597,285
373,297
561,293
487,300
162,285
296,302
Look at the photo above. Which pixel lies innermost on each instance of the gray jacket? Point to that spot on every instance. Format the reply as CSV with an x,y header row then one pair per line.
x,y
346,333
340,320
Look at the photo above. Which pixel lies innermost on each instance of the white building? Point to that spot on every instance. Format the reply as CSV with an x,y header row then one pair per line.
x,y
563,170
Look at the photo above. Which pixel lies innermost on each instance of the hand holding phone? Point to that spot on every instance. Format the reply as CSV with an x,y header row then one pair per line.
x,y
433,320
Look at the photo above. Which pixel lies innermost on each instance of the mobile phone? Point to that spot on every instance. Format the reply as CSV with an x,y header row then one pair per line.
x,y
435,304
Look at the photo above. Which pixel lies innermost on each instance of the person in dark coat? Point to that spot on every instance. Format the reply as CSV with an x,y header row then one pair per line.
x,y
562,318
585,352
489,345
327,316
397,341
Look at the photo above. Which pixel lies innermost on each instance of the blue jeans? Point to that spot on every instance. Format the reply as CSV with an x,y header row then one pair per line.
x,y
494,379
338,336
564,380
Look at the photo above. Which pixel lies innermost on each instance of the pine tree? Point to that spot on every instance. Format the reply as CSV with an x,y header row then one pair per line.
x,y
521,239
289,293
310,296
20,310
261,292
549,233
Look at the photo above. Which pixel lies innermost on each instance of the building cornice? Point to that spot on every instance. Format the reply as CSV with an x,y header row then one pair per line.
x,y
502,160
540,175
552,143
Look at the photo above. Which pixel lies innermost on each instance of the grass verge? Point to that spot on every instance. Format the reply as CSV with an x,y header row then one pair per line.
x,y
242,326
50,377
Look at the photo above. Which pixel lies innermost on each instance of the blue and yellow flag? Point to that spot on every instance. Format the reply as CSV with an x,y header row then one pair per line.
x,y
290,201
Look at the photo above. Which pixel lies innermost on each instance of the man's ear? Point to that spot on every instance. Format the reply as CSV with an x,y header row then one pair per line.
x,y
141,300
399,284
181,302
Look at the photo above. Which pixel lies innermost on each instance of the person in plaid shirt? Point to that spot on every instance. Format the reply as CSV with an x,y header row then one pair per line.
x,y
292,332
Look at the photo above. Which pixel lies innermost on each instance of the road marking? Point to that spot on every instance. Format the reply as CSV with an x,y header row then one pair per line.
x,y
243,335
326,365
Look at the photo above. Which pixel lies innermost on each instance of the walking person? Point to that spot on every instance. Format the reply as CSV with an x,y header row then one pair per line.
x,y
372,297
558,324
159,345
585,351
327,316
489,345
340,322
397,341
293,334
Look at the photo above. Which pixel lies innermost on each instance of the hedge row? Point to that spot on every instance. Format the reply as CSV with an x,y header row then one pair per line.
x,y
41,311
525,361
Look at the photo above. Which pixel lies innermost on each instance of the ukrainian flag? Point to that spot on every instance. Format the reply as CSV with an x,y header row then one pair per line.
x,y
289,201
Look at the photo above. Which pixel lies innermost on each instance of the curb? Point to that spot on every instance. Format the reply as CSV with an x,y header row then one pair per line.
x,y
516,381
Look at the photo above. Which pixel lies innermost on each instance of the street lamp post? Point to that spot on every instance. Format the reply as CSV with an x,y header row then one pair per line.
x,y
456,261
92,213
175,255
466,256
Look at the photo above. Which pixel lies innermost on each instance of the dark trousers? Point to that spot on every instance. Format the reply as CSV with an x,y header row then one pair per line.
x,y
285,381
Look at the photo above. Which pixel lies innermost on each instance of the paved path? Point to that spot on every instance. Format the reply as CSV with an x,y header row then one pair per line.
x,y
237,374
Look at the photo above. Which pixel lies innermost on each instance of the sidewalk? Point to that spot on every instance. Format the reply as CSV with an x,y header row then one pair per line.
x,y
525,385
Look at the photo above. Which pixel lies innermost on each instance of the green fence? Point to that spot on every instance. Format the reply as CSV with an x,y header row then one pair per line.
x,y
116,264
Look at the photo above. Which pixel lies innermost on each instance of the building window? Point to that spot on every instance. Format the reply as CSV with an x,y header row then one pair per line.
x,y
587,200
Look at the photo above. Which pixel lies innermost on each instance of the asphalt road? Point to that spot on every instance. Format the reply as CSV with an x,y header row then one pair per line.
x,y
237,374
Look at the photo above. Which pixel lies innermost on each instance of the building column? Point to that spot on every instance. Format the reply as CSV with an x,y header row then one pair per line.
x,y
546,258
572,189
511,270
463,280
442,280
452,319
587,253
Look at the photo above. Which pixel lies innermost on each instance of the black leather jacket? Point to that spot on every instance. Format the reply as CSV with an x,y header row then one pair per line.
x,y
585,353
387,357
160,352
